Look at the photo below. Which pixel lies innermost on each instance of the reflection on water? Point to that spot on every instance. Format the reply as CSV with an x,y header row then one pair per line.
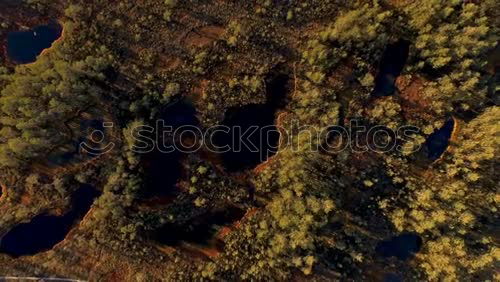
x,y
438,142
391,66
44,231
200,230
253,136
163,169
403,246
24,46
393,277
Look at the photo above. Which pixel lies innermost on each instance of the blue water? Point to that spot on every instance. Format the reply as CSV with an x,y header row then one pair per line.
x,y
391,66
44,231
438,141
259,145
393,277
163,168
402,247
24,46
254,125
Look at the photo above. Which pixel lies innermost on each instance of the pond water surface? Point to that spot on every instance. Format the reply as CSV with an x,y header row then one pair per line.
x,y
200,230
163,168
438,141
253,136
44,231
24,46
402,247
393,277
391,66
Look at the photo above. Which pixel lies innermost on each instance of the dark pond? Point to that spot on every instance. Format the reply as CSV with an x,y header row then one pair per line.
x,y
438,141
402,247
393,277
200,230
44,231
391,66
163,168
253,137
24,46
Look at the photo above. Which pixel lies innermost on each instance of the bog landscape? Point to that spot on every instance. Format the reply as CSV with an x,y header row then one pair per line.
x,y
264,140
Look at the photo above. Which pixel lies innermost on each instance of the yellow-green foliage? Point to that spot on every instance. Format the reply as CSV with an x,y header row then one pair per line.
x,y
236,32
38,99
315,106
361,30
387,112
448,205
301,202
450,32
477,147
452,36
362,24
288,226
130,138
447,259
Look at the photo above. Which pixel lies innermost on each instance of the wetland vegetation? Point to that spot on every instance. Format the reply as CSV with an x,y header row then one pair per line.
x,y
80,201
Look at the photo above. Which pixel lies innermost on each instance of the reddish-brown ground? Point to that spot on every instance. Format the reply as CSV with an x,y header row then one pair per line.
x,y
204,36
414,104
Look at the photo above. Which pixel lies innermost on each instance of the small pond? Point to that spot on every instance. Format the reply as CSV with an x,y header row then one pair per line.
x,y
163,169
24,46
393,277
391,66
438,141
199,231
44,231
253,136
402,247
